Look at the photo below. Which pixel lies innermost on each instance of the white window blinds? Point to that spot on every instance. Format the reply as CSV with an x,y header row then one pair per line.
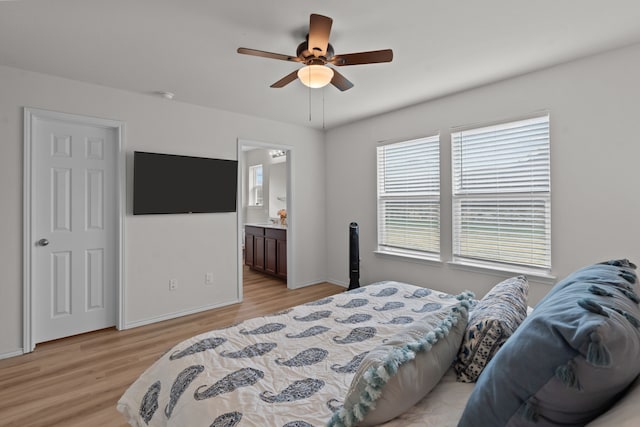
x,y
409,196
255,185
502,194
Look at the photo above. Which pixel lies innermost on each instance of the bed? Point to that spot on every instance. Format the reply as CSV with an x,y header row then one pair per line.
x,y
378,355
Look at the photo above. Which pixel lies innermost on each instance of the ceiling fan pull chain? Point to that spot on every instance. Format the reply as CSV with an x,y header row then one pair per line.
x,y
309,92
323,108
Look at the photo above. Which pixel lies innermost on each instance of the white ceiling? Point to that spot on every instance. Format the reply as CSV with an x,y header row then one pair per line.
x,y
189,47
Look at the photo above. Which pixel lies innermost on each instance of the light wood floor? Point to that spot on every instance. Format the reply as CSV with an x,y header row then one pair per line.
x,y
77,381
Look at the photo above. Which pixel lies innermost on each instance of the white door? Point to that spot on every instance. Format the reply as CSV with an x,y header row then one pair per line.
x,y
73,228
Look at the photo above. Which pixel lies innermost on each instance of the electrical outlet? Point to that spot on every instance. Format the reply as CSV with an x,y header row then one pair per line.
x,y
173,284
208,279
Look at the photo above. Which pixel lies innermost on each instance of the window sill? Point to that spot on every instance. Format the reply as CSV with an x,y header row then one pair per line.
x,y
410,256
476,266
473,266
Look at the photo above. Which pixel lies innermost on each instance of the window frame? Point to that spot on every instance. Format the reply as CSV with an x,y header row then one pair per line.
x,y
509,197
424,200
255,189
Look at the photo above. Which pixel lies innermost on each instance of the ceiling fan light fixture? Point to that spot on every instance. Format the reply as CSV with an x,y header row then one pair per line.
x,y
315,76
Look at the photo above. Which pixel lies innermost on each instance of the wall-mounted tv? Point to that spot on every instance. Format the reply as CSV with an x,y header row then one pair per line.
x,y
172,184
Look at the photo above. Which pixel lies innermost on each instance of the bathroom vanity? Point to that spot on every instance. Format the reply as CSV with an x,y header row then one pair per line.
x,y
265,248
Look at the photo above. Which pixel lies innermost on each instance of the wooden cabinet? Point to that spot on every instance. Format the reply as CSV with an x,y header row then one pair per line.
x,y
281,254
258,253
270,255
248,249
266,250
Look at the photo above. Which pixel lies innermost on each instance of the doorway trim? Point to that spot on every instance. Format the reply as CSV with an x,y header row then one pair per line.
x,y
30,114
290,214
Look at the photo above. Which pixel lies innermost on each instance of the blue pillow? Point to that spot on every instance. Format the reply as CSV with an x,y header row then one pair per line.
x,y
570,360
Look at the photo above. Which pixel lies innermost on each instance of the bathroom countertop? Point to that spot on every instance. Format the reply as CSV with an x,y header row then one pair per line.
x,y
268,225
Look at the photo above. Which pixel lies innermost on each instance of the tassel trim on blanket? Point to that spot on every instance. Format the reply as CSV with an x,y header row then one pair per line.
x,y
377,378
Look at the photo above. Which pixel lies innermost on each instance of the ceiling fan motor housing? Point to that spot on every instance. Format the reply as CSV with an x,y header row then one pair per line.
x,y
307,56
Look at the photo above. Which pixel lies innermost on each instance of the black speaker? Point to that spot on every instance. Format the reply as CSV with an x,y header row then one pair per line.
x,y
354,256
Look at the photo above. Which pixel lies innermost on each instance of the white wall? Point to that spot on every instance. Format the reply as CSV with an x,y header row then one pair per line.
x,y
256,214
595,205
158,247
594,107
277,188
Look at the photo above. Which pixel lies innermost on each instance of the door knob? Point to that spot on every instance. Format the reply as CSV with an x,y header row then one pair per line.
x,y
43,242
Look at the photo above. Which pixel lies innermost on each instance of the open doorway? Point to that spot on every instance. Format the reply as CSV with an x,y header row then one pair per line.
x,y
264,211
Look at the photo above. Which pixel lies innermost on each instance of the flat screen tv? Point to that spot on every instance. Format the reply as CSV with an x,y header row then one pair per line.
x,y
172,184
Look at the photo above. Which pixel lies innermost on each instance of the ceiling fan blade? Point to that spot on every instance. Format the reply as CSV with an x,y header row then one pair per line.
x,y
340,81
286,79
319,30
371,57
262,53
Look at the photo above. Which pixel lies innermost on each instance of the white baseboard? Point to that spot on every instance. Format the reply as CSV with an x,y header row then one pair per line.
x,y
143,322
316,282
18,352
137,323
338,282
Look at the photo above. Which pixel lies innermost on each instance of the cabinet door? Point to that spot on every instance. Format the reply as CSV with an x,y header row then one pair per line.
x,y
270,255
248,249
258,253
281,250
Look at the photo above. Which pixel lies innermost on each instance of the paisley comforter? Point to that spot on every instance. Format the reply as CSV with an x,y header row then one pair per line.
x,y
289,369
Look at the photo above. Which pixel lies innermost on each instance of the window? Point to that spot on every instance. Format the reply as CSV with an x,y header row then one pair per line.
x,y
501,194
409,197
255,185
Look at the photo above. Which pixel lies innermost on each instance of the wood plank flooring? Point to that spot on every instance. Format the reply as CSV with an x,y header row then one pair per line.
x,y
77,381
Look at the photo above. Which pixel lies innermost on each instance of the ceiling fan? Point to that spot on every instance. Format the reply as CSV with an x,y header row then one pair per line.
x,y
316,53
